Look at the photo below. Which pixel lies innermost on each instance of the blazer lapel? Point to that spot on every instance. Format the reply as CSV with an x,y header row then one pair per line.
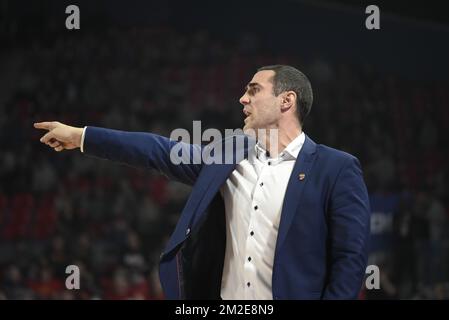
x,y
296,185
207,185
218,173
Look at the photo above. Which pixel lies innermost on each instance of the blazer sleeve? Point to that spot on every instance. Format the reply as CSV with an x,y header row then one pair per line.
x,y
177,160
349,228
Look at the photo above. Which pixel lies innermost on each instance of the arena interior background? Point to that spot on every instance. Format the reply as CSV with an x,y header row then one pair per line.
x,y
382,95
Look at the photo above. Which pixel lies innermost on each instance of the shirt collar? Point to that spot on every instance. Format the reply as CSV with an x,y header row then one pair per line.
x,y
295,146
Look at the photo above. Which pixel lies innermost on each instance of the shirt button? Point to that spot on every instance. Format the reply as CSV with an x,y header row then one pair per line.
x,y
249,258
261,184
248,284
269,163
251,233
255,207
187,231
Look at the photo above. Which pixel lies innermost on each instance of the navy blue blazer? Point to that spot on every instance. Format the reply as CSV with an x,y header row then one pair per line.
x,y
321,248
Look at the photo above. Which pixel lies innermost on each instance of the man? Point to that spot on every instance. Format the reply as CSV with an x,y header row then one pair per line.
x,y
287,220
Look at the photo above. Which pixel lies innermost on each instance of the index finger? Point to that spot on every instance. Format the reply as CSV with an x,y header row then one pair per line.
x,y
43,125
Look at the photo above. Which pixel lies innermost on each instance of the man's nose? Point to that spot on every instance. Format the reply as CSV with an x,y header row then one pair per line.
x,y
244,99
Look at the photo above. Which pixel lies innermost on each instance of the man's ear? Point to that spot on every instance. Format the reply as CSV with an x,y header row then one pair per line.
x,y
288,100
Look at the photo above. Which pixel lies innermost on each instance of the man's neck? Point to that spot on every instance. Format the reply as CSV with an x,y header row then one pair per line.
x,y
276,140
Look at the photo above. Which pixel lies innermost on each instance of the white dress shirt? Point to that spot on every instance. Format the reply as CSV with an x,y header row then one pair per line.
x,y
253,196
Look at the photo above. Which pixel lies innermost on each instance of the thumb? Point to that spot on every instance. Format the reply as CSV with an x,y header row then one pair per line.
x,y
47,137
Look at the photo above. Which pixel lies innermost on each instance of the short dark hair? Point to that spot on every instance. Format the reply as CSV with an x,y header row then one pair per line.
x,y
288,78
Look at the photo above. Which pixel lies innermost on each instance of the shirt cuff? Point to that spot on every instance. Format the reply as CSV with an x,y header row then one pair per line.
x,y
82,140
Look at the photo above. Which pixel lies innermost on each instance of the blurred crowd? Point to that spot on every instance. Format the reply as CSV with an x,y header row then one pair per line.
x,y
112,221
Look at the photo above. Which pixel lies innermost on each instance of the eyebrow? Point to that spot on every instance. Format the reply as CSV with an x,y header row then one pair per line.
x,y
252,85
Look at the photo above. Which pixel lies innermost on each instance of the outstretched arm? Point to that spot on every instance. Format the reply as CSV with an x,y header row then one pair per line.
x,y
137,149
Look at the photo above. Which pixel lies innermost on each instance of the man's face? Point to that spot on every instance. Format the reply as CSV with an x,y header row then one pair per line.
x,y
260,106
